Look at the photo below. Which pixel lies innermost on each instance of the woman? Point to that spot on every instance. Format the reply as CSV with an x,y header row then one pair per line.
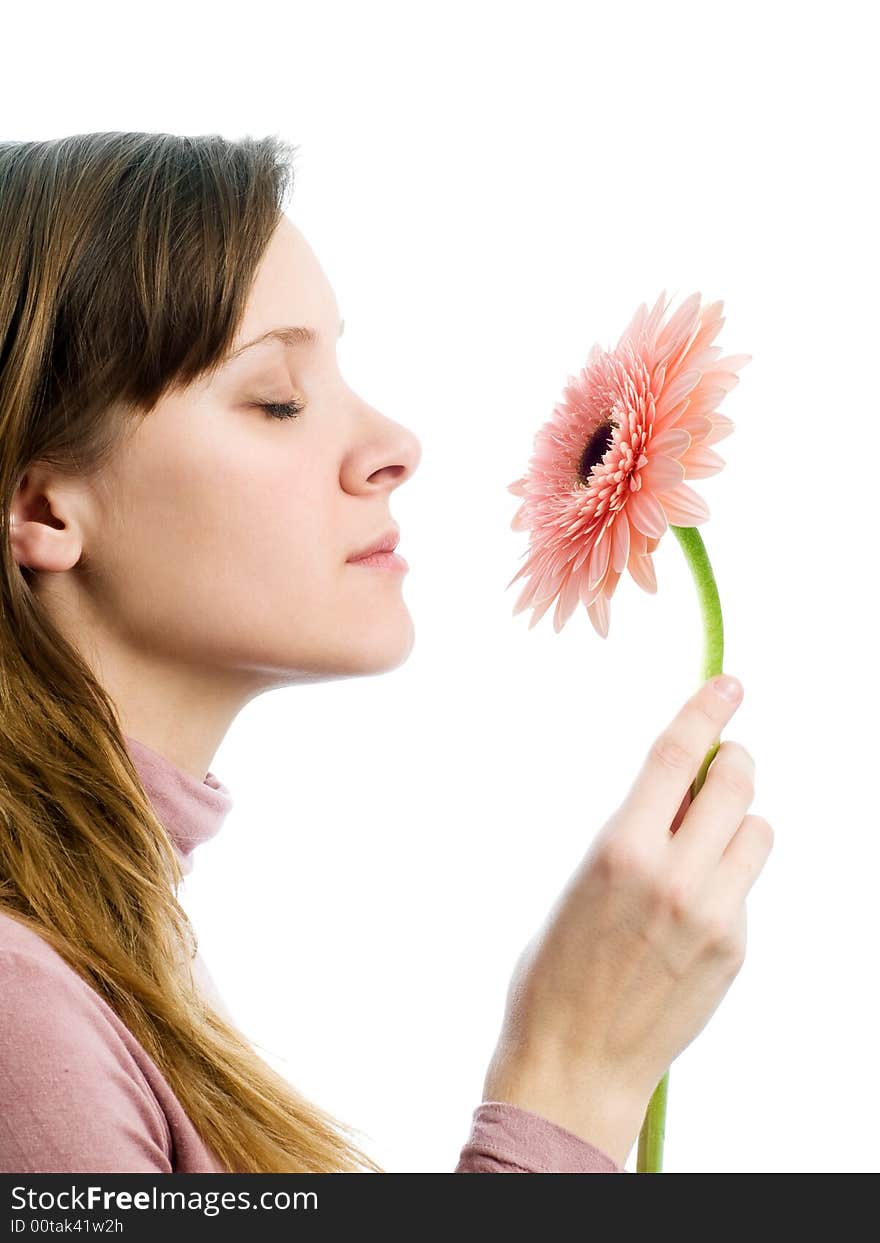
x,y
175,453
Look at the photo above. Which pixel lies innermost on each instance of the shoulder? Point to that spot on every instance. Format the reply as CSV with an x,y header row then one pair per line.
x,y
72,1094
23,948
15,935
40,988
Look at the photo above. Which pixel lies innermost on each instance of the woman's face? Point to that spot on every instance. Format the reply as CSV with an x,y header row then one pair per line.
x,y
218,537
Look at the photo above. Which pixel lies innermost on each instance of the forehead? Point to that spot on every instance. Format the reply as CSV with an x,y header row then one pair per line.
x,y
291,288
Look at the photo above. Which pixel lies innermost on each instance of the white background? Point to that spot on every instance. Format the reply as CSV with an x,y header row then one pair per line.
x,y
490,188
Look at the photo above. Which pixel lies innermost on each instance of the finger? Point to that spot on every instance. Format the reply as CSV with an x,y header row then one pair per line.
x,y
675,758
743,860
717,811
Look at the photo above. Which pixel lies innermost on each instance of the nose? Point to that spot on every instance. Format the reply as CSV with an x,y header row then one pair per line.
x,y
385,460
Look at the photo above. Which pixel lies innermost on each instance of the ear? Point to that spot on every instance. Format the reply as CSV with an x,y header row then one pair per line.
x,y
46,531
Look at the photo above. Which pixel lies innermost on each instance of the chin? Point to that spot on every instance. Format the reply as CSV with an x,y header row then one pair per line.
x,y
372,649
384,651
353,656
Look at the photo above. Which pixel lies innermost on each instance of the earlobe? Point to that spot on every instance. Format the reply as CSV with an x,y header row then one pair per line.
x,y
13,519
44,533
40,546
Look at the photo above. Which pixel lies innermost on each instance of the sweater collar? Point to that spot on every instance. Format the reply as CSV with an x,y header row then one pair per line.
x,y
191,811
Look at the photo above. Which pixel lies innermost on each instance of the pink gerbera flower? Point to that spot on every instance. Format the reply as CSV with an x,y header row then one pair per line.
x,y
607,474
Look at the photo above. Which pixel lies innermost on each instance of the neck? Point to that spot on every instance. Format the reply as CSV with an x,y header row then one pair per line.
x,y
191,809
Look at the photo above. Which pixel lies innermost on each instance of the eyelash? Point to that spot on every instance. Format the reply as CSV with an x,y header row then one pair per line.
x,y
281,409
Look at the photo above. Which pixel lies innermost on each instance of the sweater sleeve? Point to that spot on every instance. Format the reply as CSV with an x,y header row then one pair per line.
x,y
72,1097
505,1139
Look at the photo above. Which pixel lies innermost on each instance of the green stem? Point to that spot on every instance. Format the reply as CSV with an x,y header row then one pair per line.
x,y
650,1153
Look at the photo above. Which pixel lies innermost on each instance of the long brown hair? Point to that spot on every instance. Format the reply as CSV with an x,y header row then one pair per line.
x,y
126,261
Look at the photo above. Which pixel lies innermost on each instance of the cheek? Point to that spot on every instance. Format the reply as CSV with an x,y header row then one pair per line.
x,y
218,548
276,530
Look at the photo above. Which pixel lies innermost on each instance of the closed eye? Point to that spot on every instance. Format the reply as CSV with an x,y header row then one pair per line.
x,y
281,409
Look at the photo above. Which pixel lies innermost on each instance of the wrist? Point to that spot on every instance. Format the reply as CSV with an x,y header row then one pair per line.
x,y
588,1104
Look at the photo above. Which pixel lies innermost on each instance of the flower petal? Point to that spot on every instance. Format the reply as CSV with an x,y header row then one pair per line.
x,y
700,461
619,543
698,426
635,325
642,570
721,426
663,473
670,417
670,443
523,569
569,598
646,513
659,309
524,599
589,591
639,541
585,551
710,325
706,399
539,612
676,390
723,370
701,358
600,615
547,580
684,507
599,562
680,328
534,589
518,522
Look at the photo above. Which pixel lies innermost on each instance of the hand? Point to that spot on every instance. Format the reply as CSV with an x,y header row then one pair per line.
x,y
643,942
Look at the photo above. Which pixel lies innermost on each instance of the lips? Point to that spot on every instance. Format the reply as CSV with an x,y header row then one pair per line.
x,y
385,543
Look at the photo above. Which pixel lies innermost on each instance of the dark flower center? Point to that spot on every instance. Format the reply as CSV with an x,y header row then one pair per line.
x,y
597,447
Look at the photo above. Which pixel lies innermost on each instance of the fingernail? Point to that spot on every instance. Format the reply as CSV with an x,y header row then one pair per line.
x,y
729,688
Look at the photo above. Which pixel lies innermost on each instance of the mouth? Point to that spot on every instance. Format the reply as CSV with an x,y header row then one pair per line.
x,y
382,561
385,543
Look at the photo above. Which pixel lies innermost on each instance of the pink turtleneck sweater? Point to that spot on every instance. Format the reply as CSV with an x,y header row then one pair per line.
x,y
79,1094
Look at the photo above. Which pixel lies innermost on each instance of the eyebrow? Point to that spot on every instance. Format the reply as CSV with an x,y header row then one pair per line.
x,y
287,335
